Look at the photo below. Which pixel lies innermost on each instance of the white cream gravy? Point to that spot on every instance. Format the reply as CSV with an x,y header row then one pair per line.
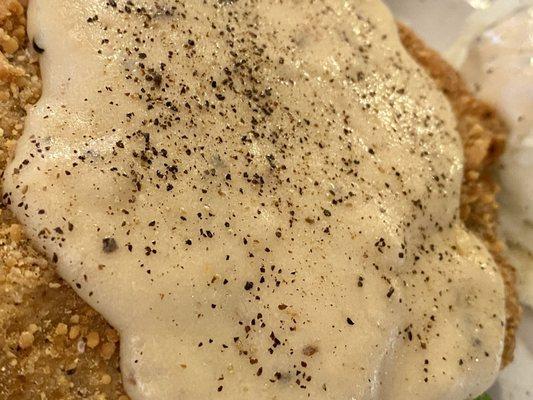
x,y
261,196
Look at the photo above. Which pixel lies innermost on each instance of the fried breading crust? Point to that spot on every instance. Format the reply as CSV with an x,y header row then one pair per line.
x,y
54,346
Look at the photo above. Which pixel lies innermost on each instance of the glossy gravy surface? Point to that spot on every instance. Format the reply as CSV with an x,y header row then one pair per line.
x,y
261,196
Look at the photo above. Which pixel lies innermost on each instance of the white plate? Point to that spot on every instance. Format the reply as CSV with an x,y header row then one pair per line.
x,y
443,24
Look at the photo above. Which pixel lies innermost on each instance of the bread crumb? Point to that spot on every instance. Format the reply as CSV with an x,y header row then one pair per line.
x,y
74,332
112,335
93,339
15,232
61,329
26,340
33,328
107,350
106,379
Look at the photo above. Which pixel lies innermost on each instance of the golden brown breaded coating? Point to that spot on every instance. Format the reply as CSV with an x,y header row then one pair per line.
x,y
54,346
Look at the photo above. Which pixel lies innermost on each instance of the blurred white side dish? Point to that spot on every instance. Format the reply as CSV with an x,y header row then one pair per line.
x,y
499,67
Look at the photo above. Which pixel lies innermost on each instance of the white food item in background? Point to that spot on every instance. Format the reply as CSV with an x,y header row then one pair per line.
x,y
449,26
473,23
499,67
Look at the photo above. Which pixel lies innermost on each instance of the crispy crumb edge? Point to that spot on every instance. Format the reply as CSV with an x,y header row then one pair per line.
x,y
53,345
484,135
